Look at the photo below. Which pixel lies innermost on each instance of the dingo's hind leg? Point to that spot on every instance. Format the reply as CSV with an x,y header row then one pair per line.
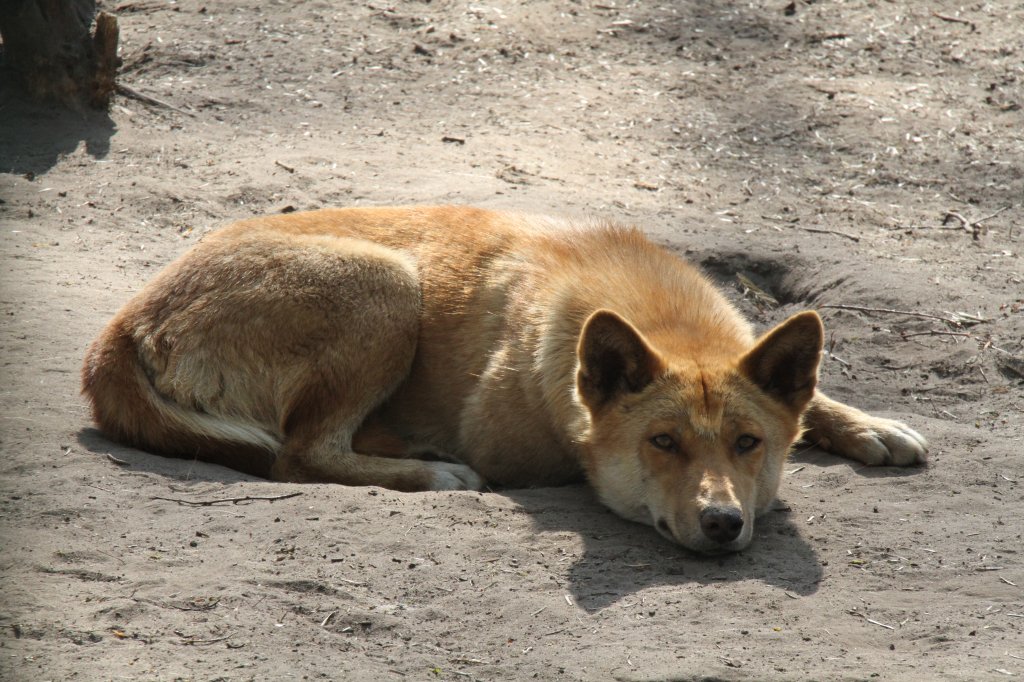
x,y
322,421
363,341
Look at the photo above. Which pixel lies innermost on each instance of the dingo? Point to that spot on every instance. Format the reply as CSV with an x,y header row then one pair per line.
x,y
438,348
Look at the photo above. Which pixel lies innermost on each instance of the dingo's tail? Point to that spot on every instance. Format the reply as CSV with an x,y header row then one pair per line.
x,y
127,407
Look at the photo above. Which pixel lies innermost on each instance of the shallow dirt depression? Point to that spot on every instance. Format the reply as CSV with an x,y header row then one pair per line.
x,y
862,154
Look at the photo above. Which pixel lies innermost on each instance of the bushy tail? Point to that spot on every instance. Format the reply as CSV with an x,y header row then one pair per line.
x,y
127,407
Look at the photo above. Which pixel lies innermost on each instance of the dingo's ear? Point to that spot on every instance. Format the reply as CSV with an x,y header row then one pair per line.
x,y
614,359
785,360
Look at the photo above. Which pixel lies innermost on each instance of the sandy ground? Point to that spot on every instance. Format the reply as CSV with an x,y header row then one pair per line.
x,y
832,153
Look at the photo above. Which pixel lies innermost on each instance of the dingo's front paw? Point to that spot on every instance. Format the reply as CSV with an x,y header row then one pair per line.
x,y
880,442
875,441
448,476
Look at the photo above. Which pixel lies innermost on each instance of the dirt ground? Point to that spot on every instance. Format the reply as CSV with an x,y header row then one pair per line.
x,y
861,153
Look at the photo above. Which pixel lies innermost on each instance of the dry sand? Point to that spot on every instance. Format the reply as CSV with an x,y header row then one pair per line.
x,y
833,153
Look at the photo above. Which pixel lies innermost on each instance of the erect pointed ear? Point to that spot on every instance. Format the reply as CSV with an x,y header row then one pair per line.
x,y
614,359
785,360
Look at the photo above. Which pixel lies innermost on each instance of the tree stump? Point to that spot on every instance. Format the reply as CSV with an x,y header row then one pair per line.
x,y
48,51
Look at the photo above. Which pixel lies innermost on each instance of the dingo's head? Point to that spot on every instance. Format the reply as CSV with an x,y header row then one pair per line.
x,y
693,443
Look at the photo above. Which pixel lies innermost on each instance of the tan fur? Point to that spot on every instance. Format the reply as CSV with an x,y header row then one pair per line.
x,y
435,348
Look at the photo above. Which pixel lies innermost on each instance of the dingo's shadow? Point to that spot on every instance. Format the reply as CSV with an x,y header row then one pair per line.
x,y
94,441
621,557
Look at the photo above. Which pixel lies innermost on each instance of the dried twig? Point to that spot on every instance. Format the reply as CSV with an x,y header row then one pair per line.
x,y
959,318
191,606
955,20
990,216
226,500
287,168
829,354
933,332
132,93
972,226
875,622
964,222
760,296
205,641
192,641
835,232
118,462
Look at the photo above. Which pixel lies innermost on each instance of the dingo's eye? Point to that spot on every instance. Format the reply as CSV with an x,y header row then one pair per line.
x,y
746,443
665,442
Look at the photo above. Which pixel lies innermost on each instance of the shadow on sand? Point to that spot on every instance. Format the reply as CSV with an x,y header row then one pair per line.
x,y
620,558
36,136
95,442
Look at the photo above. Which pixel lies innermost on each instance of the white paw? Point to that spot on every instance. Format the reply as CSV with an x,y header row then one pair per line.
x,y
885,442
449,476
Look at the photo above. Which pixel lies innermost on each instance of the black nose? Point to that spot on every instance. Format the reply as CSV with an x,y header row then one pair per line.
x,y
721,524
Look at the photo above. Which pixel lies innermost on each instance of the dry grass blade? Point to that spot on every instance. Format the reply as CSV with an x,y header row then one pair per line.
x,y
760,296
953,318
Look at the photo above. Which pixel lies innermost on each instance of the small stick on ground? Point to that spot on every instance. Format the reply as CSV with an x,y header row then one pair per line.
x,y
829,352
990,216
973,226
817,230
118,462
933,332
909,313
964,222
875,622
191,641
955,20
838,359
225,500
287,168
132,93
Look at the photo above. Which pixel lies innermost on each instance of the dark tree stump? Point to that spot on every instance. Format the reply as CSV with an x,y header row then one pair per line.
x,y
49,51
